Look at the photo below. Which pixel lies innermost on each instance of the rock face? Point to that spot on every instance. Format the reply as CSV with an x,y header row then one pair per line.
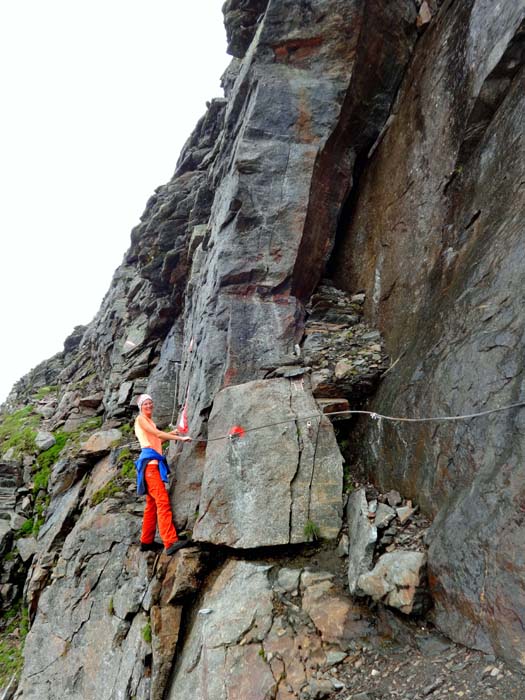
x,y
344,225
282,628
94,647
264,488
435,238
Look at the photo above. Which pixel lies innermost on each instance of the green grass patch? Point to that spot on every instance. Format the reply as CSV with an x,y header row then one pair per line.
x,y
146,633
45,391
41,479
91,424
31,527
50,456
88,426
26,530
46,460
107,491
127,471
18,430
11,644
311,531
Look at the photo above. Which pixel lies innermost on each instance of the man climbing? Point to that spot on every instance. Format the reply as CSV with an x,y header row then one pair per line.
x,y
152,471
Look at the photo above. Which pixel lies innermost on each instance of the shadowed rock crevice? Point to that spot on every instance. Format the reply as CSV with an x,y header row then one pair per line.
x,y
384,39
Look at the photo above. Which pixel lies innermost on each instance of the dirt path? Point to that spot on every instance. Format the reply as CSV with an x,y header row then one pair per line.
x,y
423,664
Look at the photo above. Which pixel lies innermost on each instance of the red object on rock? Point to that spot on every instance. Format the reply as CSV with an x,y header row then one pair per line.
x,y
182,422
236,431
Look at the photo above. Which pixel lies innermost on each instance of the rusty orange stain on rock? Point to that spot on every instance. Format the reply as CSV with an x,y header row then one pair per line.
x,y
294,50
303,124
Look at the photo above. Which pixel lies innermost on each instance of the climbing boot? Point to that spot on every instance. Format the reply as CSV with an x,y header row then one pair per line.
x,y
151,547
179,544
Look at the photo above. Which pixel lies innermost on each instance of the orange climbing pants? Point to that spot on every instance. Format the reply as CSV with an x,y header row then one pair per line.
x,y
158,509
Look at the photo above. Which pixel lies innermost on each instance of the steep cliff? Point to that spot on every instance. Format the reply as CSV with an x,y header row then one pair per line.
x,y
342,227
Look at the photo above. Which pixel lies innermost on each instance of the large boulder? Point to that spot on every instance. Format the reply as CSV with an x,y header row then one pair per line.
x,y
44,440
285,473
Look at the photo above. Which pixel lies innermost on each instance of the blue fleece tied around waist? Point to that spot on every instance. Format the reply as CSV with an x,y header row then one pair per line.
x,y
146,455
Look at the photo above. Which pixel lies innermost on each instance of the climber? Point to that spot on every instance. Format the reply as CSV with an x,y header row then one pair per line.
x,y
152,471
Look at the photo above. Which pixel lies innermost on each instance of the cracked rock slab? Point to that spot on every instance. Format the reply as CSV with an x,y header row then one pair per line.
x,y
263,488
86,640
262,631
363,537
224,643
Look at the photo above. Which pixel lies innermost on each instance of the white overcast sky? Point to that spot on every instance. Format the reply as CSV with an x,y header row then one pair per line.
x,y
97,99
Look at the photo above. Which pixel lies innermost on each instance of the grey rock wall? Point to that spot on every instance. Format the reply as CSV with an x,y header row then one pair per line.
x,y
435,238
338,151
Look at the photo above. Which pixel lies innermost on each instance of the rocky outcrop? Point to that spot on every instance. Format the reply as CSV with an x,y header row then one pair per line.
x,y
434,238
387,555
286,625
342,227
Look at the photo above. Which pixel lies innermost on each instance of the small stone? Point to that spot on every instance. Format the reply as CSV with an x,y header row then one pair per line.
x,y
404,514
92,401
102,441
44,440
27,547
26,503
424,16
334,657
384,516
433,686
343,368
393,498
288,579
17,521
337,685
374,673
342,547
320,689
